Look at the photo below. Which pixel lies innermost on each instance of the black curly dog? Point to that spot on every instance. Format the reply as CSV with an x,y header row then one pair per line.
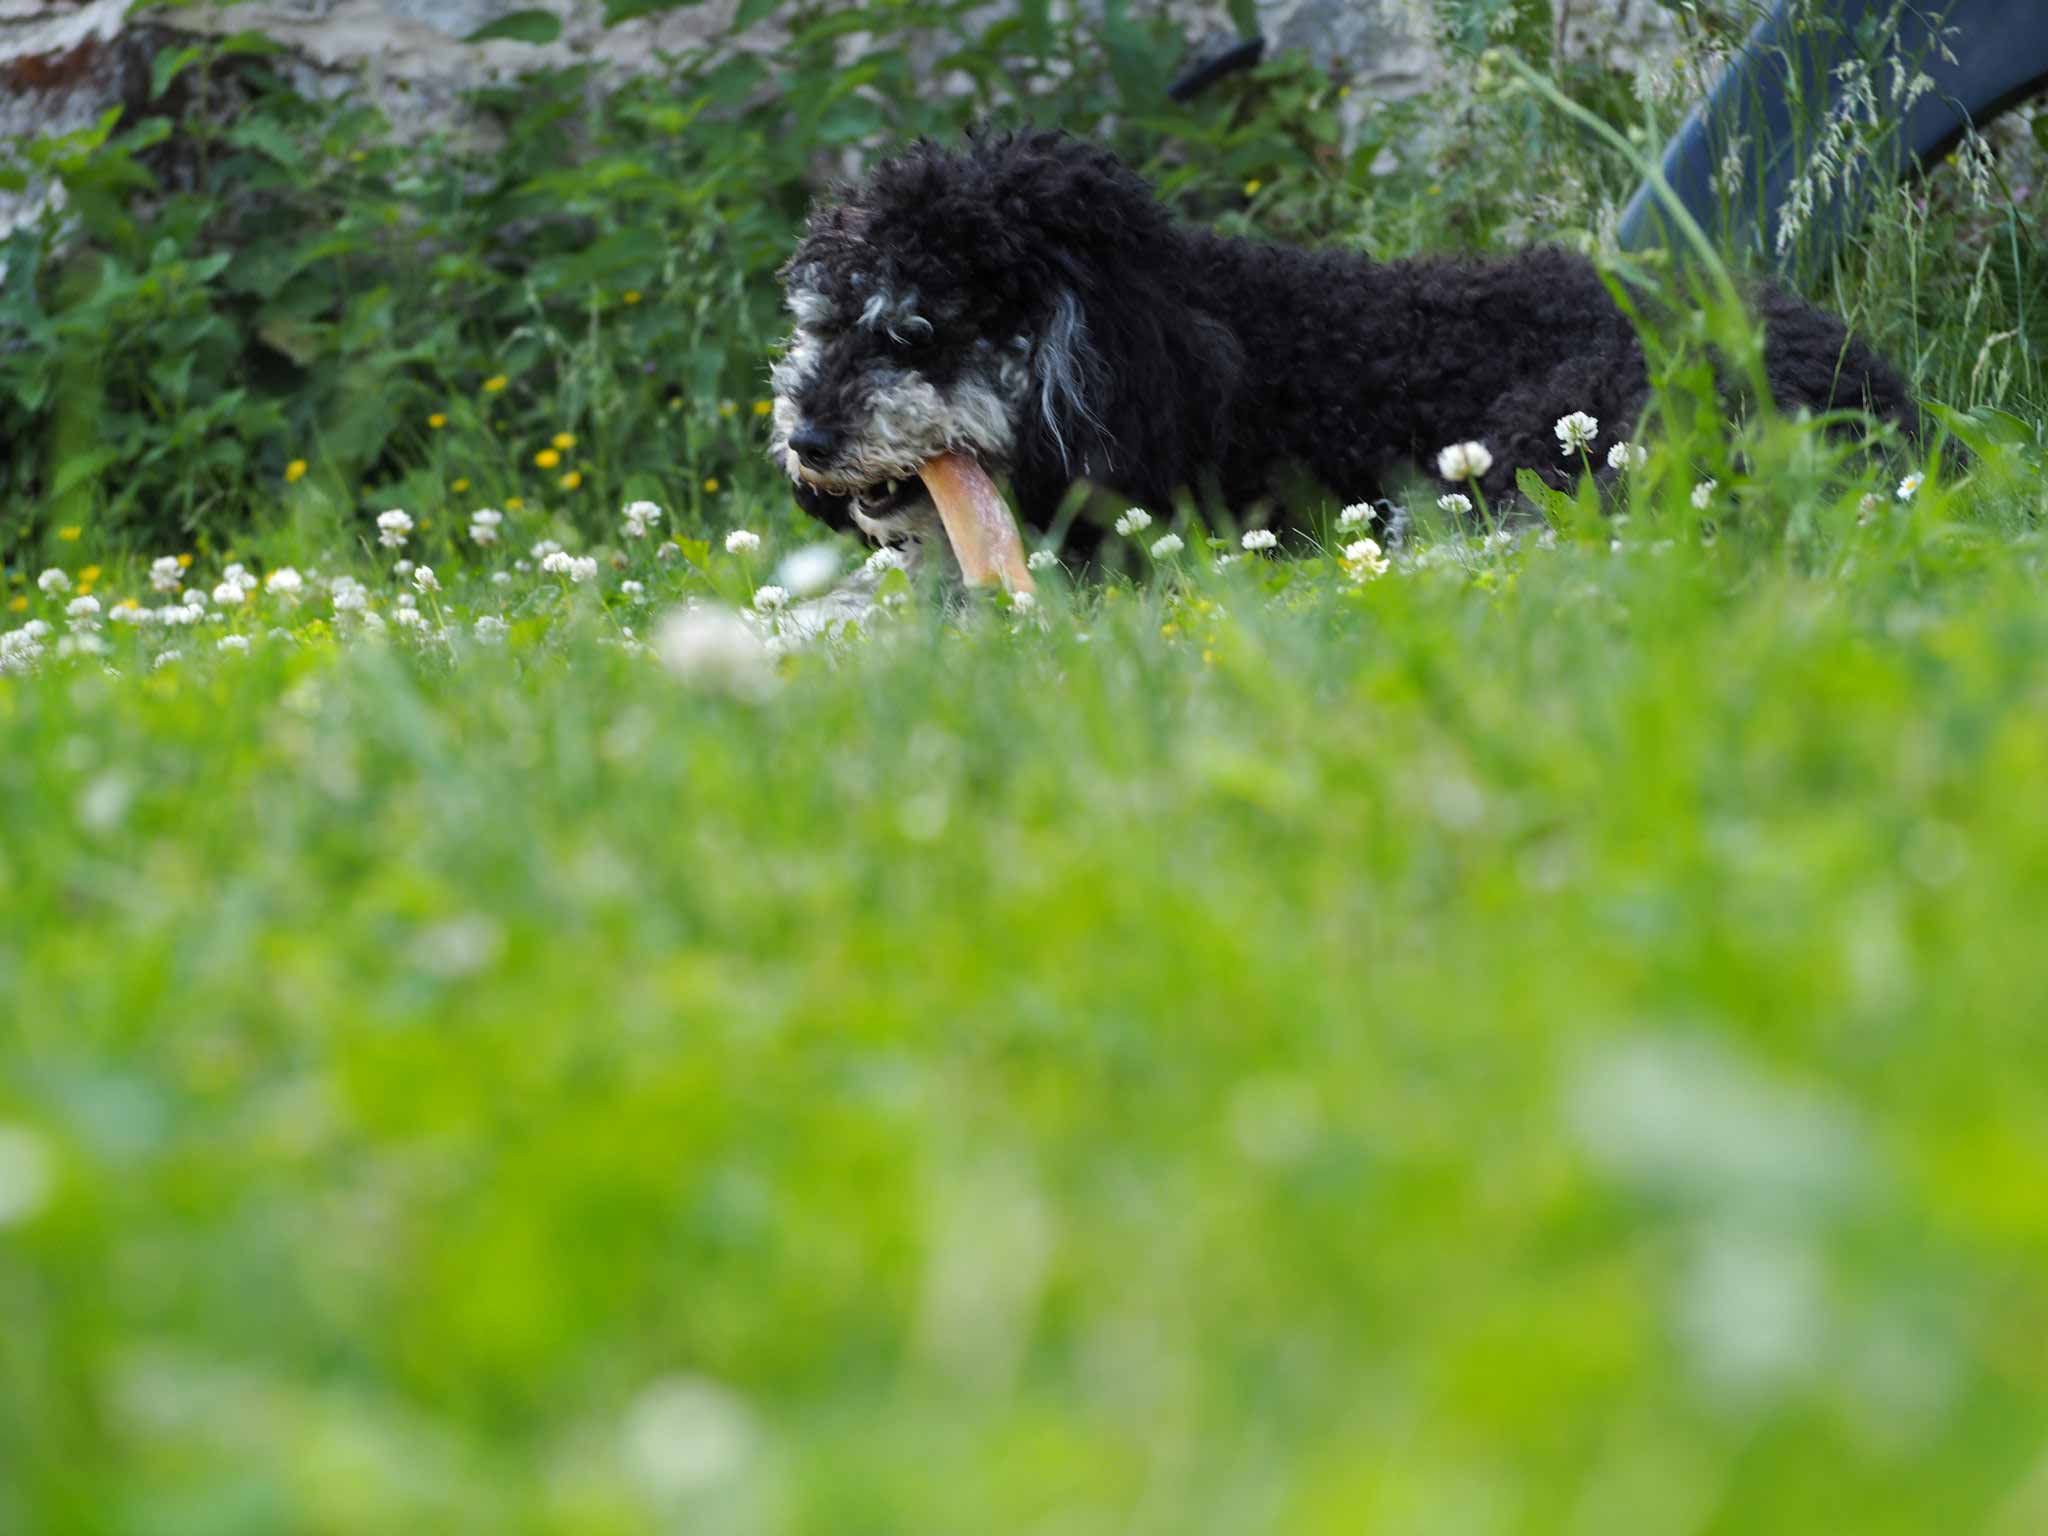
x,y
1028,300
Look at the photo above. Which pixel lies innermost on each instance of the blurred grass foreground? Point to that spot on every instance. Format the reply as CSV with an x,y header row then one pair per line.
x,y
1510,1032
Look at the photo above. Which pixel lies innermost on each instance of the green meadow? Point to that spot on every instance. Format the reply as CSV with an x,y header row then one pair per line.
x,y
1541,1035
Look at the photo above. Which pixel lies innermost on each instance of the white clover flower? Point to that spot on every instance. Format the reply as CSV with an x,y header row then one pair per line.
x,y
489,629
483,525
769,599
523,567
1261,538
1464,461
1575,433
85,643
1136,520
1357,515
234,645
501,578
667,551
165,657
407,600
810,570
403,570
184,613
887,558
284,582
641,516
410,618
1041,560
352,598
631,588
1703,494
240,575
1910,486
229,594
1365,559
165,574
1022,601
20,649
1454,503
1168,544
193,595
1627,456
583,568
555,562
1225,562
373,622
714,648
392,528
83,611
36,630
53,581
742,542
543,549
425,579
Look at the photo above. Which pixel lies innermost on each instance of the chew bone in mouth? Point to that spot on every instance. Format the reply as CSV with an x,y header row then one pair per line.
x,y
978,523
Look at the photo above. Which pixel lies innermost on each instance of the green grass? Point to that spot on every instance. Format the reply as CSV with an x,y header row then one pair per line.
x,y
1533,1043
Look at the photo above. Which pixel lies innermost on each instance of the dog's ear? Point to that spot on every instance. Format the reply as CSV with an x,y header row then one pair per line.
x,y
1066,373
1062,197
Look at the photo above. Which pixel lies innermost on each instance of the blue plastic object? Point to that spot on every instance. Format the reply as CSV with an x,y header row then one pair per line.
x,y
1771,110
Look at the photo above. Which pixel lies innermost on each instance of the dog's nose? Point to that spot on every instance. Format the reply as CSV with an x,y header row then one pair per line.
x,y
814,444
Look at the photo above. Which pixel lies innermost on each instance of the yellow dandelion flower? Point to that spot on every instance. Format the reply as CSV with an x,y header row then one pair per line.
x,y
1251,188
494,383
632,295
184,562
295,471
711,485
18,604
461,485
90,573
565,440
129,603
547,458
70,535
437,421
571,480
85,589
514,503
763,407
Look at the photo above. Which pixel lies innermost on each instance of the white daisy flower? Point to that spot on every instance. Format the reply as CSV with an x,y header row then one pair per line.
x,y
1261,538
1575,433
1168,544
1454,503
53,581
768,599
1703,494
1910,486
165,574
1627,456
742,542
1464,461
392,528
1135,520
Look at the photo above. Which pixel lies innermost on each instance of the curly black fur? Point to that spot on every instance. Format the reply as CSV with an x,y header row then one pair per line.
x,y
1028,299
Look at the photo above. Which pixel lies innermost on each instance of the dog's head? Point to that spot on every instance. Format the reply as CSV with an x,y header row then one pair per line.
x,y
947,303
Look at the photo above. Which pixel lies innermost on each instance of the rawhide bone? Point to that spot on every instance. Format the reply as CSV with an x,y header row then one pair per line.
x,y
978,522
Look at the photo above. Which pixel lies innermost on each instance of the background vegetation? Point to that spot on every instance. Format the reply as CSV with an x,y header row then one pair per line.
x,y
1536,1039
